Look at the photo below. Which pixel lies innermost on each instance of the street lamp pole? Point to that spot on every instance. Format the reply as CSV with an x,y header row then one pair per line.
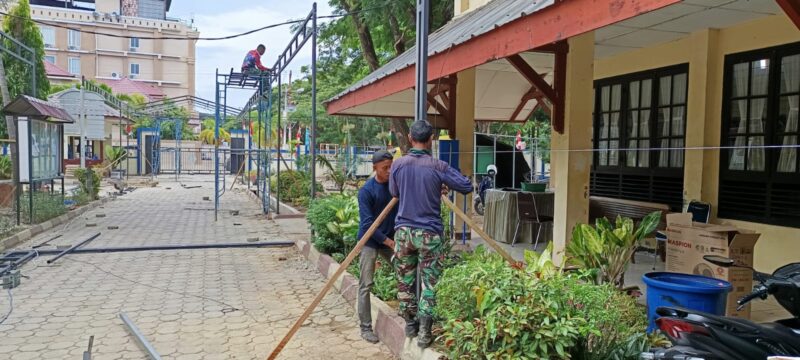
x,y
421,101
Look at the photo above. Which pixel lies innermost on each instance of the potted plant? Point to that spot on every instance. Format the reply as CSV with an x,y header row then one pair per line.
x,y
116,155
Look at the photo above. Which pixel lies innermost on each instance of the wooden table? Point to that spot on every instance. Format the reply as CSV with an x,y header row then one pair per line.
x,y
500,216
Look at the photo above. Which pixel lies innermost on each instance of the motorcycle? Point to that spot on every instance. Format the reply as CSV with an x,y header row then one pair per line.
x,y
697,335
487,183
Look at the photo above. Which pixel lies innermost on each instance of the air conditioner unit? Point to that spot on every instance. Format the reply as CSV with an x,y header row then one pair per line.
x,y
49,46
133,49
73,47
115,75
132,76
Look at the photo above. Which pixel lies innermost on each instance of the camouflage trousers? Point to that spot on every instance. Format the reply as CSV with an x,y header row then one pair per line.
x,y
417,247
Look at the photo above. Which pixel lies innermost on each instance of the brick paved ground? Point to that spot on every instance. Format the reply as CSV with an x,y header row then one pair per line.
x,y
181,300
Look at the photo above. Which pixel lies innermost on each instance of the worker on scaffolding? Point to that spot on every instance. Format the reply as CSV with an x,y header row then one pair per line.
x,y
252,62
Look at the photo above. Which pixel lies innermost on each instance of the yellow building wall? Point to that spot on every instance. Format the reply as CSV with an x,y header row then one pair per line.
x,y
705,52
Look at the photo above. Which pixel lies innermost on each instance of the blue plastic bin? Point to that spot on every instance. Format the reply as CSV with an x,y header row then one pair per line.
x,y
683,290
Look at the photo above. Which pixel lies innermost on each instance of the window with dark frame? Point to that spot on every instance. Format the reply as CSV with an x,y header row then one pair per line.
x,y
635,115
759,169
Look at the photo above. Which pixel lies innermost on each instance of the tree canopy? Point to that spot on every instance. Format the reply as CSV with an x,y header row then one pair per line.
x,y
19,74
350,48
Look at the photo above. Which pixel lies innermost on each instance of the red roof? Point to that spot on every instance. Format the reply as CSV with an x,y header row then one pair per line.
x,y
128,86
54,70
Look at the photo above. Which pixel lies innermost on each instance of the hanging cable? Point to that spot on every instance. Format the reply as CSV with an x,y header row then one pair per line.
x,y
217,38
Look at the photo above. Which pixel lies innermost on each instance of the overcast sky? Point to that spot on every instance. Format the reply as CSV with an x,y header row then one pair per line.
x,y
228,17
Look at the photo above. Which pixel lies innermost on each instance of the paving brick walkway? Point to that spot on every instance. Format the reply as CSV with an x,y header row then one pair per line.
x,y
191,304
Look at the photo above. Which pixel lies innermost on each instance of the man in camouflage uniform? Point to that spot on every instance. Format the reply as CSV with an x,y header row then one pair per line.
x,y
418,181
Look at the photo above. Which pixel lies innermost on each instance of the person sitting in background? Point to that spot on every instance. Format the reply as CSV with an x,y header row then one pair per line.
x,y
252,62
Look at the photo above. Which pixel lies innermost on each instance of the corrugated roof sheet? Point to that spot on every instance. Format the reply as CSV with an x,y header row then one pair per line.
x,y
54,70
472,24
128,86
30,106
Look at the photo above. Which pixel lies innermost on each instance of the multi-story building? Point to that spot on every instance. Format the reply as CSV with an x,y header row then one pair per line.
x,y
137,52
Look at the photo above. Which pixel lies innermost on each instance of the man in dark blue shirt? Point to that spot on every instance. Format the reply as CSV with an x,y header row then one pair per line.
x,y
418,180
372,199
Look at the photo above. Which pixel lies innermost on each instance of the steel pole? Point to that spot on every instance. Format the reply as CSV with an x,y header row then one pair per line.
x,y
151,351
280,132
421,100
73,248
314,103
83,126
216,150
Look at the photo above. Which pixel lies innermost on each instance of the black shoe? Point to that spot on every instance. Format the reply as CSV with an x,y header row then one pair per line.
x,y
369,336
412,328
425,337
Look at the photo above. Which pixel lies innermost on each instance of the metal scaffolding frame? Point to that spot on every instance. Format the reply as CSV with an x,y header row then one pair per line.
x,y
306,31
261,101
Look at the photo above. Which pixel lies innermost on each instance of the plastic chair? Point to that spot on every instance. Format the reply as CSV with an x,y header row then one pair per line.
x,y
701,213
527,212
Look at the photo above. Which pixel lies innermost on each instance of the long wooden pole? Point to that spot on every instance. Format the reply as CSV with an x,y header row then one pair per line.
x,y
488,239
356,250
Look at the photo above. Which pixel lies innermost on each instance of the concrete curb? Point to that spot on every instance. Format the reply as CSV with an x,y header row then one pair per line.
x,y
294,213
387,324
37,229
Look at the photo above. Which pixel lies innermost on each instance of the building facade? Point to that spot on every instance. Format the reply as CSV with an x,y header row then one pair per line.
x,y
137,51
662,101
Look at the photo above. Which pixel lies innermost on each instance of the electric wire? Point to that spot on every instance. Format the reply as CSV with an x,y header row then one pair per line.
x,y
227,309
10,307
215,38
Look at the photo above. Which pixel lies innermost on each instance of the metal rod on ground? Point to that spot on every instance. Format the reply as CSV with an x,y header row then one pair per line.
x,y
233,183
65,252
46,242
139,337
488,239
87,355
321,295
173,247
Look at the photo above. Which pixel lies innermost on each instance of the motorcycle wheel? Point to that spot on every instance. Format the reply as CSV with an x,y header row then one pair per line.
x,y
478,207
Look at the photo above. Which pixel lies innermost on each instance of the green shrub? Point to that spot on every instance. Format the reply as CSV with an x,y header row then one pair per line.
x,y
607,249
45,207
321,212
81,198
491,310
615,323
385,282
83,176
295,186
6,226
6,168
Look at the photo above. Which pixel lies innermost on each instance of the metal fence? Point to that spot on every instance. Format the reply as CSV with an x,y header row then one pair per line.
x,y
190,161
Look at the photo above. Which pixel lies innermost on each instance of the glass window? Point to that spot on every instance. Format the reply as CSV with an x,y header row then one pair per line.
x,y
671,120
134,42
74,39
48,36
74,66
643,112
639,122
760,169
609,130
45,150
134,69
789,105
50,58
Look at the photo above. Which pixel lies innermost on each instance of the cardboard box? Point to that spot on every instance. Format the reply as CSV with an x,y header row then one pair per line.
x,y
688,242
